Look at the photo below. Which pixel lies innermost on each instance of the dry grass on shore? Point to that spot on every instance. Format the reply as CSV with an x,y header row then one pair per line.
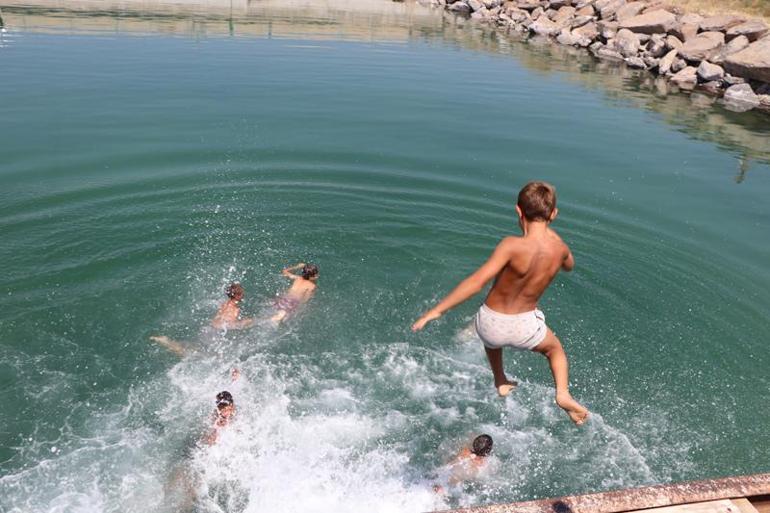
x,y
749,8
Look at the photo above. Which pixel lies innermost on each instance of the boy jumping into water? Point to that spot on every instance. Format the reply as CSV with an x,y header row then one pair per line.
x,y
227,318
300,292
522,267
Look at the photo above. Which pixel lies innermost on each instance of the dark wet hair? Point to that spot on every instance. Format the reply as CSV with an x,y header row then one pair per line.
x,y
224,398
234,290
482,445
309,271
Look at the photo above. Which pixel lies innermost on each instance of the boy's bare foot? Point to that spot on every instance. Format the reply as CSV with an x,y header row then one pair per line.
x,y
506,388
577,412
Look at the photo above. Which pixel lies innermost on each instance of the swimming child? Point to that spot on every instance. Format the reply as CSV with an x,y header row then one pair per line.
x,y
226,318
300,292
222,417
468,463
522,268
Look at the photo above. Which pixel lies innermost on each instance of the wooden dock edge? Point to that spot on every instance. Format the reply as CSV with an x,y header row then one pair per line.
x,y
635,499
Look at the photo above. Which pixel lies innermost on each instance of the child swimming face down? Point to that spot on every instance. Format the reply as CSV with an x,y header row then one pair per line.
x,y
310,272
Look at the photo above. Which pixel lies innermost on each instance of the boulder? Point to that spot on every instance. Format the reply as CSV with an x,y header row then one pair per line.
x,y
654,22
491,4
566,38
608,29
740,98
735,45
588,31
518,15
731,80
753,30
708,72
564,14
475,5
609,10
579,21
702,47
657,46
685,31
673,43
713,87
719,23
609,54
595,47
629,10
752,62
558,4
636,63
686,79
537,13
460,8
651,62
678,65
588,10
529,5
664,67
545,27
627,43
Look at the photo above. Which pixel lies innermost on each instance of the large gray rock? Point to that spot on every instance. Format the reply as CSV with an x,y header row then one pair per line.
x,y
719,23
491,4
657,46
654,22
557,4
629,10
686,79
460,8
691,19
664,66
673,43
579,21
608,29
752,62
702,47
588,31
518,15
734,46
587,10
609,10
636,63
627,43
609,54
564,15
678,65
753,30
545,27
685,31
740,98
708,72
529,5
476,5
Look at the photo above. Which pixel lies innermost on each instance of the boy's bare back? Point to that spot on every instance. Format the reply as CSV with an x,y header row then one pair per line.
x,y
533,262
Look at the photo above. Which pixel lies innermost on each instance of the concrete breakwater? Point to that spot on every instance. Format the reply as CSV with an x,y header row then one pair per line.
x,y
724,55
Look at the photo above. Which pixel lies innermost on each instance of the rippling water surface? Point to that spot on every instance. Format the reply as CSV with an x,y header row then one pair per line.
x,y
140,174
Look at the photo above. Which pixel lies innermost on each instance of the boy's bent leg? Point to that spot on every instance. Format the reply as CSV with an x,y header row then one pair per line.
x,y
502,383
171,345
557,359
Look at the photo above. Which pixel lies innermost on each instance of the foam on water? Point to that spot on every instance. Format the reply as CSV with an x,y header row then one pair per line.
x,y
322,435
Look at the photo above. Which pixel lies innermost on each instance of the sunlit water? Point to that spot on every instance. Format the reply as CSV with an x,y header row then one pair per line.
x,y
139,175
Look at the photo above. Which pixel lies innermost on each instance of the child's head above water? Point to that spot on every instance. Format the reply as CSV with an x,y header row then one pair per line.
x,y
234,291
482,445
537,201
310,272
225,404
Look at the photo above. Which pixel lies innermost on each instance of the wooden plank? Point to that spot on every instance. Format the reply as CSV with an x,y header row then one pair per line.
x,y
761,503
744,506
641,498
720,506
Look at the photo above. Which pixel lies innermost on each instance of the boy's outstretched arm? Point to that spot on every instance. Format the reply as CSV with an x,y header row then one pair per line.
x,y
288,271
471,285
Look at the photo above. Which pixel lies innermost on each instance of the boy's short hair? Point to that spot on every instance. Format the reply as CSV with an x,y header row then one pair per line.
x,y
309,271
234,290
482,445
537,200
224,398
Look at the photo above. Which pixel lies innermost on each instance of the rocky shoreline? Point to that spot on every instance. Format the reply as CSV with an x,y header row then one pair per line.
x,y
724,55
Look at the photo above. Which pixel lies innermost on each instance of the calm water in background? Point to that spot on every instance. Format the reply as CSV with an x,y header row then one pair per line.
x,y
139,175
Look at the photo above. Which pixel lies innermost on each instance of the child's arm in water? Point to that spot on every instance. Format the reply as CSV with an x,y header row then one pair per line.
x,y
288,271
473,284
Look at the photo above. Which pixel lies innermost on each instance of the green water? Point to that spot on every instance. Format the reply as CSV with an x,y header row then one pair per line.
x,y
139,175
